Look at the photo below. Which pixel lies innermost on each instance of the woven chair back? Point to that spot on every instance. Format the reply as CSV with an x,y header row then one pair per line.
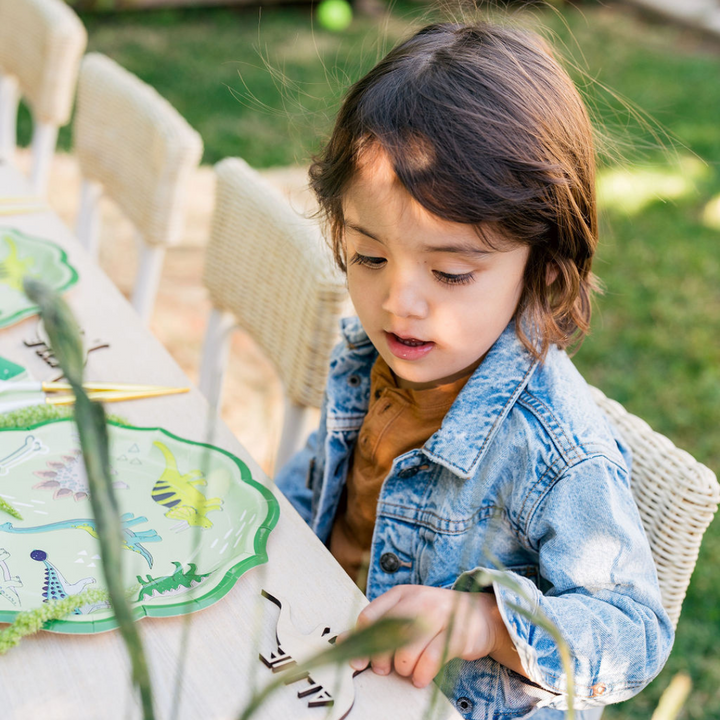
x,y
136,145
677,498
270,267
41,43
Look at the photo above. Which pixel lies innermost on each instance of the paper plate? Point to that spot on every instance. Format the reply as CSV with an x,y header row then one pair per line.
x,y
22,255
193,518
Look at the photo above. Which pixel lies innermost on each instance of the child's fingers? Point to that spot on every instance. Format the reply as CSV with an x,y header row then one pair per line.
x,y
381,664
406,658
430,662
380,606
359,663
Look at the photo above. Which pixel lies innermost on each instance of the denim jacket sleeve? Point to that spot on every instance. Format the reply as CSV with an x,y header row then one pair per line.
x,y
293,479
601,593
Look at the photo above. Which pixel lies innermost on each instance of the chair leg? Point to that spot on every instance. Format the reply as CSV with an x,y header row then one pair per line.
x,y
148,279
88,221
9,98
43,150
293,432
215,356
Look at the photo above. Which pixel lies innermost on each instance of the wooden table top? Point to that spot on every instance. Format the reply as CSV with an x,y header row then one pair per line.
x,y
54,676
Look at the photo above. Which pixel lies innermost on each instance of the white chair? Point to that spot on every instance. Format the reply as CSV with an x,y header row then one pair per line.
x,y
269,271
41,43
677,498
133,146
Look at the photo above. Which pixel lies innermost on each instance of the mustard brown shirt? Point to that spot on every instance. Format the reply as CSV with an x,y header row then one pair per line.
x,y
398,420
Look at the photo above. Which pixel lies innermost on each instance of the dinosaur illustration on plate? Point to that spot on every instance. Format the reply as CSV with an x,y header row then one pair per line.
x,y
8,582
56,587
131,539
177,583
12,268
179,495
67,478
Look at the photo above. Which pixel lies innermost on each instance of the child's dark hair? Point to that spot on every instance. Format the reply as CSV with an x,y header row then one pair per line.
x,y
484,127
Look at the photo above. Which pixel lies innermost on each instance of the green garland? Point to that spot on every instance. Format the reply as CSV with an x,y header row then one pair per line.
x,y
29,622
40,413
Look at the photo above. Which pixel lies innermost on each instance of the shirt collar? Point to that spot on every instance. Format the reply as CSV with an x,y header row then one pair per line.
x,y
487,398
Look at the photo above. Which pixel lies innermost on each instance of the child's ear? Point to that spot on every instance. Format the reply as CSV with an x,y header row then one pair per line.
x,y
551,273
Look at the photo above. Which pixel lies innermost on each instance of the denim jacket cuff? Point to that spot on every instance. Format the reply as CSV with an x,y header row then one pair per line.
x,y
517,600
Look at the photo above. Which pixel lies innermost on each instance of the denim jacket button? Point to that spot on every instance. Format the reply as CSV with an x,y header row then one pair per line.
x,y
464,705
389,562
598,689
409,472
353,380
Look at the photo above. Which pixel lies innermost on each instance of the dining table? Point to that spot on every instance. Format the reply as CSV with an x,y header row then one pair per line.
x,y
205,665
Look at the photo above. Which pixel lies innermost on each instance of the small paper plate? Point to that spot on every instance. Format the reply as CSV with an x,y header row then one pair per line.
x,y
194,521
22,255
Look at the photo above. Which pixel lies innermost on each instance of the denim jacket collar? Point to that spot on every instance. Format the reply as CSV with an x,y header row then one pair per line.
x,y
481,406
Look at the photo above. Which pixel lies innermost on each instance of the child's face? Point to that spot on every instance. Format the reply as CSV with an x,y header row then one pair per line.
x,y
431,296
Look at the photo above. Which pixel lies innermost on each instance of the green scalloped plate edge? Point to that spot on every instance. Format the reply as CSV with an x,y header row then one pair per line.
x,y
33,309
217,593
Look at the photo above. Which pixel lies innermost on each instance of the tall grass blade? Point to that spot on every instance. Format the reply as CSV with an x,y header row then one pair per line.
x,y
65,341
483,579
673,697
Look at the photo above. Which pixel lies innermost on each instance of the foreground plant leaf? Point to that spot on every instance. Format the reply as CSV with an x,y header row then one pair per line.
x,y
64,336
539,618
386,635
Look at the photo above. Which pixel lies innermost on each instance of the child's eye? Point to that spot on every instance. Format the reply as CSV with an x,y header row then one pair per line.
x,y
450,279
366,260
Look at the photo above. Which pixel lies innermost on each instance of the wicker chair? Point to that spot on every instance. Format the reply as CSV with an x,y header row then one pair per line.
x,y
269,271
135,147
677,498
41,43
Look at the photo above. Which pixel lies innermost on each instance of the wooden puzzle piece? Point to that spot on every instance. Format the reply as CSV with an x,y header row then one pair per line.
x,y
330,686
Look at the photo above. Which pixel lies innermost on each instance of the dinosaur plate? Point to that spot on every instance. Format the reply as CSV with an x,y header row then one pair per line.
x,y
22,255
193,521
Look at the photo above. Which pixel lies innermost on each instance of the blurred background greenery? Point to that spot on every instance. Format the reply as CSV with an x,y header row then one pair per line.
x,y
263,84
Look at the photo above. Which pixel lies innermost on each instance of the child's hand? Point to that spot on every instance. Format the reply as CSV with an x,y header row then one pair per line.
x,y
476,631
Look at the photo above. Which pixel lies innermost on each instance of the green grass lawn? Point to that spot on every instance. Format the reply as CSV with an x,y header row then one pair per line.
x,y
264,87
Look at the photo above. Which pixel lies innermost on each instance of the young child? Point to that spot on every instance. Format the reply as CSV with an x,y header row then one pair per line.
x,y
456,435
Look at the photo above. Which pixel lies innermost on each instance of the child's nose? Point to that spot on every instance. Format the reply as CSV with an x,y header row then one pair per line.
x,y
405,298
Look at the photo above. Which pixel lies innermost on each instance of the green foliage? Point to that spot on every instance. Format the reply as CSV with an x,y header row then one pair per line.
x,y
40,413
29,622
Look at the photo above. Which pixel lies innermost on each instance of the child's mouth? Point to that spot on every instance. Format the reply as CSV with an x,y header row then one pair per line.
x,y
408,348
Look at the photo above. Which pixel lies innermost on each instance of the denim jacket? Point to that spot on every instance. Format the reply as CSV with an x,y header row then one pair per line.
x,y
526,479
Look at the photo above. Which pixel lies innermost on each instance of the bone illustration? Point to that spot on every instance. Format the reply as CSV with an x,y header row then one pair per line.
x,y
325,686
8,582
31,447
